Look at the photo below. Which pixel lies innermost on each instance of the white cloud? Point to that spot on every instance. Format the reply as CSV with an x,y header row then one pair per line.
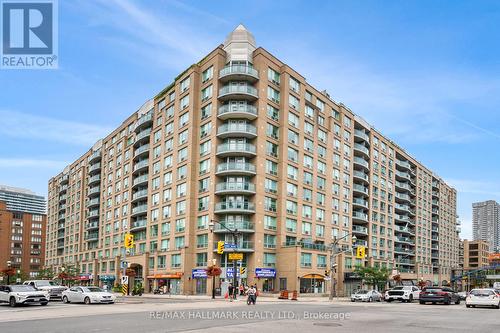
x,y
31,163
30,127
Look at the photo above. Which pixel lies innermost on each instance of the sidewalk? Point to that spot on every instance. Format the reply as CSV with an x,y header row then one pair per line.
x,y
261,298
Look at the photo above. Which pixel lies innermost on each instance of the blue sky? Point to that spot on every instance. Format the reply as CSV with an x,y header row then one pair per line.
x,y
435,63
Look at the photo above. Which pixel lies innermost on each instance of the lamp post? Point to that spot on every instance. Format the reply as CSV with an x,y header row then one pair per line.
x,y
214,262
18,279
235,234
9,265
62,275
334,252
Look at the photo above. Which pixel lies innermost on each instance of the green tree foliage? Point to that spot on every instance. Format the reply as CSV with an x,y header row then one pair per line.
x,y
373,276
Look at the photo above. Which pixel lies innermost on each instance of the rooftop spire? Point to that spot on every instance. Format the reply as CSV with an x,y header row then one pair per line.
x,y
240,44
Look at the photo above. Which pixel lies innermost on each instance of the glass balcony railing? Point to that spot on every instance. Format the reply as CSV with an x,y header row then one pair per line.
x,y
362,135
236,148
241,110
239,70
234,206
242,89
235,186
236,167
244,129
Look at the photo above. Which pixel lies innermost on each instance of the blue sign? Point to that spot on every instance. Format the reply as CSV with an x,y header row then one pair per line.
x,y
199,273
229,246
229,272
265,272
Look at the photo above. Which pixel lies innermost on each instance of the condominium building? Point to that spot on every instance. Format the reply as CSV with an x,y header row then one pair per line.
x,y
22,230
242,139
476,254
486,223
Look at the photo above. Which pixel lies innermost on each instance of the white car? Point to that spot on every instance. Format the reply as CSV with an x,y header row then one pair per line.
x,y
49,286
483,297
21,294
402,293
87,295
366,296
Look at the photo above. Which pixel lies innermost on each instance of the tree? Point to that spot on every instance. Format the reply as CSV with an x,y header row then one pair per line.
x,y
374,276
397,279
46,273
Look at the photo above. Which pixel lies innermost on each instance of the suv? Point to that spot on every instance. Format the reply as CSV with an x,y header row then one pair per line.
x,y
21,294
51,287
402,293
439,295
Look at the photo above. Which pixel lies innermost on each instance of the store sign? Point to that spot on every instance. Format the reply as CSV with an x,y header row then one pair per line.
x,y
235,256
265,272
228,273
199,273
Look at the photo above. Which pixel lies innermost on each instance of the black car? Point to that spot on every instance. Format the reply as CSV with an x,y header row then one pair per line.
x,y
439,295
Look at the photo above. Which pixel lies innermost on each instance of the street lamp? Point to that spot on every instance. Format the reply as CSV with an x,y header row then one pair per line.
x,y
235,234
62,275
214,262
333,255
9,265
18,279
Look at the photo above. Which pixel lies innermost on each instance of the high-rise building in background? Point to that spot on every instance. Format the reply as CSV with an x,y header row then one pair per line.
x,y
243,139
486,223
475,254
22,230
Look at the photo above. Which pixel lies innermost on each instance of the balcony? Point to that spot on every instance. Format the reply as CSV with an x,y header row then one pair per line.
x,y
401,197
236,110
309,245
60,226
358,202
403,165
435,194
360,189
92,203
238,73
359,230
63,189
94,191
405,240
140,180
361,162
138,225
362,149
93,213
360,242
360,175
361,135
61,217
95,156
235,187
401,175
243,246
236,149
62,198
241,226
403,218
64,180
402,186
142,194
235,169
142,137
62,208
404,250
95,179
404,230
140,209
60,244
142,150
141,165
227,207
403,208
92,225
238,92
144,121
237,130
435,184
91,237
95,167
404,261
358,216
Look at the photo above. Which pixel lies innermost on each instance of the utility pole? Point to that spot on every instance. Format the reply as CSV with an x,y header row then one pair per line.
x,y
334,252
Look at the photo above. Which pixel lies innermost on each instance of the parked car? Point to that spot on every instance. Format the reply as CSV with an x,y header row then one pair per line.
x,y
50,286
21,294
366,296
402,293
462,295
439,295
483,297
87,295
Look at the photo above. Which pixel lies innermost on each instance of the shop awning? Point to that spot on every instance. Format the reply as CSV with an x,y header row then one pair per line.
x,y
176,275
313,276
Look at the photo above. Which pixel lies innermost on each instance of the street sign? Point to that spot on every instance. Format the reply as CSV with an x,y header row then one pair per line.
x,y
230,246
327,278
125,280
235,256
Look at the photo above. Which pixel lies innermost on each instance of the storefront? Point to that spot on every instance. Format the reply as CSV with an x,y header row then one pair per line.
x,y
84,279
352,282
107,281
170,283
312,284
199,276
269,276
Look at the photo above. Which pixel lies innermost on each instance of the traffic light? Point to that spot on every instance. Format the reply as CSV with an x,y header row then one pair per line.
x,y
129,241
360,252
327,272
220,247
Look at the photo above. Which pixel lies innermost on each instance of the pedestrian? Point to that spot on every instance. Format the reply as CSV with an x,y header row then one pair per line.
x,y
230,291
251,292
242,290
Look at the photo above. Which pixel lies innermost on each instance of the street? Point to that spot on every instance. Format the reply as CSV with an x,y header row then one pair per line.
x,y
168,315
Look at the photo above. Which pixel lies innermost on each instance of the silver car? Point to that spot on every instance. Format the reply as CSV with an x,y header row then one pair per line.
x,y
87,295
366,296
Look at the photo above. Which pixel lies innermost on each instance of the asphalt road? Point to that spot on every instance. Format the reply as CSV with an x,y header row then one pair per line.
x,y
238,317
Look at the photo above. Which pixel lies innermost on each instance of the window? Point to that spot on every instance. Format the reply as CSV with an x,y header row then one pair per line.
x,y
202,222
271,186
269,222
180,225
184,103
293,154
272,131
207,74
293,101
205,129
306,260
184,119
291,207
201,259
306,228
203,185
292,172
273,112
205,147
181,190
273,95
321,261
320,230
306,211
271,168
203,203
269,259
176,260
206,93
182,154
273,76
309,111
270,204
206,111
185,84
183,137
291,190
269,241
204,166
202,241
293,120
271,149
293,137
294,84
291,225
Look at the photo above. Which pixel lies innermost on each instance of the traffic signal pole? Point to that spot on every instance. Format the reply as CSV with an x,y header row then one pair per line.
x,y
235,273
